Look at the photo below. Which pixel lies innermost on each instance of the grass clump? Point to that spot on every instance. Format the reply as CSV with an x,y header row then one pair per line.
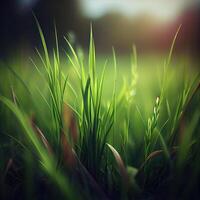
x,y
95,121
126,145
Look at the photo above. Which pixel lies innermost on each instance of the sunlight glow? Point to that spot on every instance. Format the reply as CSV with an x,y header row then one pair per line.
x,y
161,9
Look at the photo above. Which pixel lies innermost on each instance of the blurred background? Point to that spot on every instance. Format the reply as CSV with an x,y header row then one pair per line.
x,y
149,24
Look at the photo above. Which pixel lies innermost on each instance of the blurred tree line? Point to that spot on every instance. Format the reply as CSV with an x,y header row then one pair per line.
x,y
18,29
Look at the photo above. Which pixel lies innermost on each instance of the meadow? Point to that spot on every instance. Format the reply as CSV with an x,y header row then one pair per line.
x,y
78,125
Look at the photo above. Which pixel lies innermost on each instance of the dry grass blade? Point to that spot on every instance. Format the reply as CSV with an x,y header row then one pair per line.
x,y
14,97
155,154
41,136
44,140
68,155
70,122
120,164
8,166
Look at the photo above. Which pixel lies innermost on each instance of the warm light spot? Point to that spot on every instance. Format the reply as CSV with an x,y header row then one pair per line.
x,y
161,9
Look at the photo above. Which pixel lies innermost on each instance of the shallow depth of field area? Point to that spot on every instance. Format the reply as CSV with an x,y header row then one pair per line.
x,y
83,119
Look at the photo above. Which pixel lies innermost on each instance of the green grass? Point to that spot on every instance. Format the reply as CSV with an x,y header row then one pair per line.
x,y
98,129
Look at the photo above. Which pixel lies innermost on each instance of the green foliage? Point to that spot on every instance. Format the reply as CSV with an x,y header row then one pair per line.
x,y
95,120
123,145
47,161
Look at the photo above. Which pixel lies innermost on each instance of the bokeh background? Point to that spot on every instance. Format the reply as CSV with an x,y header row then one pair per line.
x,y
149,24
